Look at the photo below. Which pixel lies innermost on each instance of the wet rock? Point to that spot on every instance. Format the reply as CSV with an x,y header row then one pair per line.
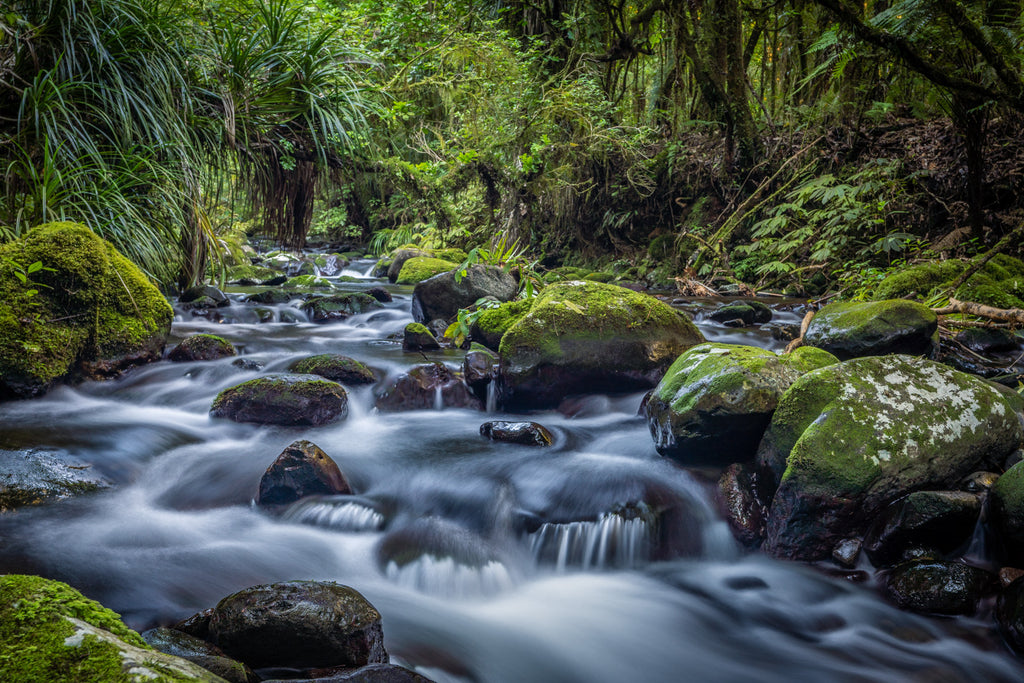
x,y
1006,511
51,632
374,673
1008,575
716,400
479,369
201,347
490,326
783,331
33,476
846,552
271,296
253,364
297,624
308,282
873,328
417,337
275,281
441,296
523,433
398,260
406,555
587,337
938,587
199,652
848,439
747,312
740,506
301,470
939,521
978,482
214,296
338,307
1010,615
423,387
380,294
336,368
330,264
290,400
988,339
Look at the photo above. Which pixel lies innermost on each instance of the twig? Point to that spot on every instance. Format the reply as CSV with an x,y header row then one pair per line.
x,y
799,341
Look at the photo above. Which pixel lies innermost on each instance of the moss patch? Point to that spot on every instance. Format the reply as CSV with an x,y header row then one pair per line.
x,y
999,283
419,268
249,272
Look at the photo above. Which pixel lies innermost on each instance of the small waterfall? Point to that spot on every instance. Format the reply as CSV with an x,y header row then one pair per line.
x,y
445,577
612,542
491,405
438,398
369,271
341,515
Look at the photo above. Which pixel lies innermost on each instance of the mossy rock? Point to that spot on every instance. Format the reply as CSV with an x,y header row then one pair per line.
x,y
271,296
587,337
235,249
249,272
93,315
453,255
339,307
848,439
330,264
420,268
202,347
418,337
492,324
51,632
873,328
716,400
747,312
336,368
290,400
308,282
400,256
442,296
199,652
1006,511
598,276
34,476
918,280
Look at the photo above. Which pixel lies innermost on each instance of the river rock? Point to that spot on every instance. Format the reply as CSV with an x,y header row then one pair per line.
x,y
747,312
848,439
418,337
420,268
441,296
33,476
201,347
587,337
491,324
1010,614
88,313
479,368
207,294
716,400
374,673
51,632
326,308
938,587
380,294
1006,511
290,400
398,259
523,433
336,368
873,328
939,521
301,470
199,652
740,507
431,385
297,624
988,339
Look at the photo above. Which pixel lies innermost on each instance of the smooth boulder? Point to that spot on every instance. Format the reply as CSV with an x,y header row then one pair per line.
x,y
302,469
427,386
522,433
336,368
938,587
587,337
289,400
338,307
34,476
873,328
201,347
716,400
848,439
441,296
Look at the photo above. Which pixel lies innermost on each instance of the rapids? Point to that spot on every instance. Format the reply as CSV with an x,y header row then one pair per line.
x,y
489,561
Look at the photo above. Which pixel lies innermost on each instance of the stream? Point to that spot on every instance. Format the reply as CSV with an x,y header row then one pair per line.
x,y
489,561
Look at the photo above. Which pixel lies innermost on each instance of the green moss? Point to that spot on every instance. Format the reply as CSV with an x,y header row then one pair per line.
x,y
250,272
496,321
308,282
985,289
418,328
336,368
918,280
999,283
599,276
453,255
419,268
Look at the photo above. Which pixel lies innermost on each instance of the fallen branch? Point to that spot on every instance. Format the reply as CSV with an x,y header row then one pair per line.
x,y
1011,238
799,341
1011,315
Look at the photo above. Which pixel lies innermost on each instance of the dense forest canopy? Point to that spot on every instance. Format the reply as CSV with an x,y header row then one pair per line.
x,y
797,143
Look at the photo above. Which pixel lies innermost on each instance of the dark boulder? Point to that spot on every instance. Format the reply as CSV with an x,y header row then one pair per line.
x,y
938,587
441,296
747,312
988,339
373,673
271,296
432,385
1010,614
199,652
740,506
290,400
33,476
214,296
939,521
338,307
479,369
202,347
523,433
418,337
1006,511
380,294
336,368
873,328
301,470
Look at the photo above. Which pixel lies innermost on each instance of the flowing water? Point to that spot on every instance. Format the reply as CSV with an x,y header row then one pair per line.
x,y
592,560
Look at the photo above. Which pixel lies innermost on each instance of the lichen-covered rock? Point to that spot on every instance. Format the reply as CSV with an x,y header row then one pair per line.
x,y
336,368
715,401
88,312
587,337
418,337
201,347
338,307
522,433
850,438
1006,511
51,632
939,521
290,400
398,260
297,624
33,476
301,470
442,295
873,328
199,652
425,387
938,587
490,326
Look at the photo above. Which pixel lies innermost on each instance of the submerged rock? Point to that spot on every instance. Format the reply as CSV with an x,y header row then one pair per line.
x,y
202,347
441,296
51,632
33,476
373,673
874,328
587,337
938,587
850,438
716,400
523,433
199,652
290,400
336,368
301,470
432,385
86,313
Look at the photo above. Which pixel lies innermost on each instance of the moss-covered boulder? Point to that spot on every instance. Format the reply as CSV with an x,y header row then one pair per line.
x,y
308,282
420,268
848,439
330,264
1006,512
88,313
399,258
586,337
336,368
492,324
441,296
716,400
51,632
33,476
249,273
873,328
202,347
338,307
290,400
418,337
742,313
